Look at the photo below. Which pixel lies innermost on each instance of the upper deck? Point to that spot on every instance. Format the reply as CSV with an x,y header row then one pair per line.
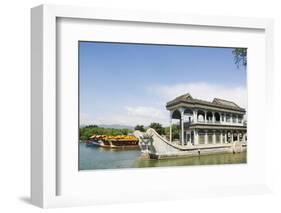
x,y
219,112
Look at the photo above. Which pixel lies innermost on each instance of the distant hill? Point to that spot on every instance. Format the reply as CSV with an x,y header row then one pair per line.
x,y
112,126
116,126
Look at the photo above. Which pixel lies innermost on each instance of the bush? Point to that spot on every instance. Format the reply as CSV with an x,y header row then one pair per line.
x,y
140,128
175,132
86,132
158,128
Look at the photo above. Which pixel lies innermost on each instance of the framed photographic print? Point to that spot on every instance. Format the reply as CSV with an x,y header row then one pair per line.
x,y
137,111
151,106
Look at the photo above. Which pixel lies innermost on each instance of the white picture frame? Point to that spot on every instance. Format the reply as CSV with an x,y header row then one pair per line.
x,y
46,170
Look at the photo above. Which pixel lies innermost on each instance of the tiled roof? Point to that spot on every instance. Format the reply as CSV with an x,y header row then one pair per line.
x,y
217,102
224,102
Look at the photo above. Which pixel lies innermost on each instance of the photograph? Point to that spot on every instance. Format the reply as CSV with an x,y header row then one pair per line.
x,y
161,105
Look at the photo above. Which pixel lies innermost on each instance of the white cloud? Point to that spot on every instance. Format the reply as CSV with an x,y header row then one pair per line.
x,y
204,91
132,116
144,111
155,112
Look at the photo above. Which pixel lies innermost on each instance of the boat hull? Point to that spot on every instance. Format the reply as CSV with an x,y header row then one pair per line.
x,y
115,144
159,148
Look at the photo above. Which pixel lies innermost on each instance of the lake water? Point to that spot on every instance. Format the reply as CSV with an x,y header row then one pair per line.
x,y
99,158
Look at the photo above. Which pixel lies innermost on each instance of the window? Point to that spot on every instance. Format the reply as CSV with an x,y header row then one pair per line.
x,y
227,118
234,118
240,117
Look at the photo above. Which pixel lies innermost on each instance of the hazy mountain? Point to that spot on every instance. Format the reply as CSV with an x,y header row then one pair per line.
x,y
113,126
116,126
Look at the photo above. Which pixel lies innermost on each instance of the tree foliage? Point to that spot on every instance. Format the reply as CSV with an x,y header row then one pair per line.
x,y
140,128
158,128
240,56
86,132
175,131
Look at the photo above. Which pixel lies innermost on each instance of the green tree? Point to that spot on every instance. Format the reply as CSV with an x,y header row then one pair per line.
x,y
175,132
140,128
158,128
240,56
92,126
86,132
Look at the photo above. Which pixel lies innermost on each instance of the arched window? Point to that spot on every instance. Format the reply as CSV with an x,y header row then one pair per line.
x,y
234,118
217,117
188,112
209,116
240,117
200,116
188,115
227,118
176,114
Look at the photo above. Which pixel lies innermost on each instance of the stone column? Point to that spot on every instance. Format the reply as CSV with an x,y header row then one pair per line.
x,y
221,138
242,120
171,127
206,137
231,135
195,137
182,129
214,137
225,137
205,117
244,137
195,116
238,137
233,118
213,117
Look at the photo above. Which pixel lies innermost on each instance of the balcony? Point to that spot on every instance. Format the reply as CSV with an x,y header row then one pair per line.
x,y
188,123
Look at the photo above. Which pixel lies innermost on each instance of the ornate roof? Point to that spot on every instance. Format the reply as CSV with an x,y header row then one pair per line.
x,y
217,102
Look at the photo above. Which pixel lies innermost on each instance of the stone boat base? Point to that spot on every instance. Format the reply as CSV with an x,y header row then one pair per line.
x,y
194,152
157,147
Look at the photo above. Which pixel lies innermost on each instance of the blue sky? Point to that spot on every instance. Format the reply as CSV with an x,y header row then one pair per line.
x,y
130,84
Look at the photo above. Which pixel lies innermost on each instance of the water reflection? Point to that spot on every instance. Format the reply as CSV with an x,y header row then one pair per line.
x,y
101,158
196,160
